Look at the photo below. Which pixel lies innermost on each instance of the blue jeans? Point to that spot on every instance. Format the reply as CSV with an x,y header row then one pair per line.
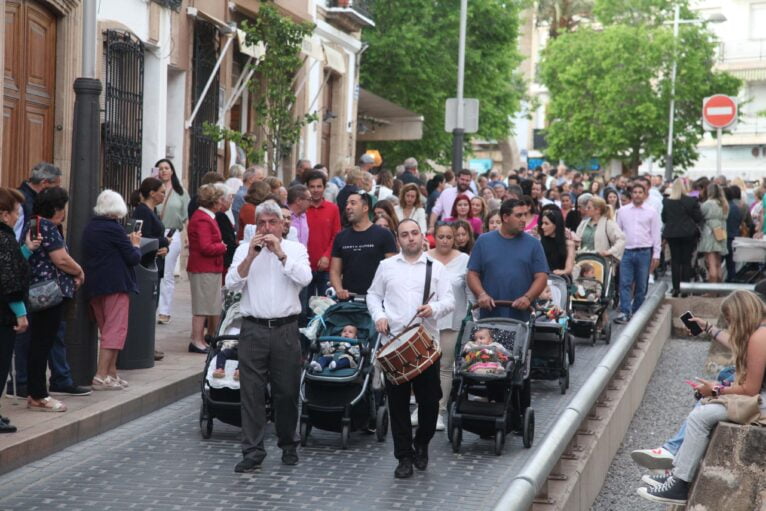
x,y
61,374
634,269
672,445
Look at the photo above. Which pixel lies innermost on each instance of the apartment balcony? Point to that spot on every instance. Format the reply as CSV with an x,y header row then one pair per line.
x,y
349,15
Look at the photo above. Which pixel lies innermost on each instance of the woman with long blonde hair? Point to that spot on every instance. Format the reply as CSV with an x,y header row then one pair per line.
x,y
715,209
745,316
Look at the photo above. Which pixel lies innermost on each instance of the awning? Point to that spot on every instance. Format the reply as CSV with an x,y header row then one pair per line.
x,y
334,59
255,51
749,75
380,119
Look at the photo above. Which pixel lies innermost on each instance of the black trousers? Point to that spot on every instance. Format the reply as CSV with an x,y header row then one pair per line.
x,y
43,329
681,250
272,354
428,392
7,342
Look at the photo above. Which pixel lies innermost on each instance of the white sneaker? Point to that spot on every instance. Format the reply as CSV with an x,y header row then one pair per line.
x,y
414,418
440,424
659,458
651,278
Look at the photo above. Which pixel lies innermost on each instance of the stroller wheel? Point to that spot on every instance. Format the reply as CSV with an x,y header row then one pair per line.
x,y
528,434
608,332
451,409
570,348
344,434
205,422
381,423
499,442
457,438
305,432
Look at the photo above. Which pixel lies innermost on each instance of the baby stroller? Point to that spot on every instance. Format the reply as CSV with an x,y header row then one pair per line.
x,y
493,405
343,400
220,396
552,347
587,315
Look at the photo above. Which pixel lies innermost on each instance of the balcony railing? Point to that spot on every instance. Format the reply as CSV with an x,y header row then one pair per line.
x,y
355,12
742,50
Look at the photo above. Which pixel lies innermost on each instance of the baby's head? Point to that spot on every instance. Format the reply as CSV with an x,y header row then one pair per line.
x,y
349,332
483,336
587,271
546,295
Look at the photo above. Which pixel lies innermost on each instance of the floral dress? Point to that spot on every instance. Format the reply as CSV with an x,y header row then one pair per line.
x,y
713,217
42,267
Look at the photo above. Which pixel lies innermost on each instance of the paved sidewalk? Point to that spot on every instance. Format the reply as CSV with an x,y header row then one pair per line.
x,y
171,379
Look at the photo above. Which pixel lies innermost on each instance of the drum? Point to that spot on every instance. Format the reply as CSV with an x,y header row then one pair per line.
x,y
408,355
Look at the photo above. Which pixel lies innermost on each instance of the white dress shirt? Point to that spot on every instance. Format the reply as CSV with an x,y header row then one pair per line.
x,y
271,288
397,291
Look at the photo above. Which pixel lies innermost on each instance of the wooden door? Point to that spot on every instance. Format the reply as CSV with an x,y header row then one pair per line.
x,y
29,88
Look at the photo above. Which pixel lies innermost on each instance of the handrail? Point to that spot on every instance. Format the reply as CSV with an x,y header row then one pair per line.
x,y
521,492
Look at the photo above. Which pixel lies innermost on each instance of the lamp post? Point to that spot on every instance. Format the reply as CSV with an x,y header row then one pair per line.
x,y
714,18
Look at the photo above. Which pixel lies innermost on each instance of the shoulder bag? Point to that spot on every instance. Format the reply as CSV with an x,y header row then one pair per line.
x,y
44,295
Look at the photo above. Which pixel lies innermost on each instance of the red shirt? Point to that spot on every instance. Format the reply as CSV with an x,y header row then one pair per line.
x,y
324,224
206,249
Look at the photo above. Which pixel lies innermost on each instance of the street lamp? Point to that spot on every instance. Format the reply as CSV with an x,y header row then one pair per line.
x,y
713,18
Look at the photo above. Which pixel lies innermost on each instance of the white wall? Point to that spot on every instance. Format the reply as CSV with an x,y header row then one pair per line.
x,y
174,132
134,14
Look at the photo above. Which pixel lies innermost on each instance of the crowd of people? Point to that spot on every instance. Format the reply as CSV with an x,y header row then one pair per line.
x,y
362,231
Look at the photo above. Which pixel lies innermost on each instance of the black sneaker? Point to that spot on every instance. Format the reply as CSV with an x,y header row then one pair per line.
x,y
421,457
404,469
247,465
290,457
69,390
7,428
6,420
622,319
673,491
655,481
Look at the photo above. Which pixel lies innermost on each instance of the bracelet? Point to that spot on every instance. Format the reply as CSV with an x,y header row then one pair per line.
x,y
708,327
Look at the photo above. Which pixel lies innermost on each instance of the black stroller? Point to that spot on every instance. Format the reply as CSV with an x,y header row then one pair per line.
x,y
493,405
344,400
589,317
552,346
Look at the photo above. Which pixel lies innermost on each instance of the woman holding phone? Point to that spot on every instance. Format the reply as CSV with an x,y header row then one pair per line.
x,y
173,215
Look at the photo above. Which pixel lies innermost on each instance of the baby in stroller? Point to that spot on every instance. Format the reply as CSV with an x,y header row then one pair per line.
x,y
227,351
338,355
482,355
548,304
587,286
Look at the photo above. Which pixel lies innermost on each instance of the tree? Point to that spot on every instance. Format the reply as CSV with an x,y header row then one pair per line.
x,y
412,60
563,15
272,88
610,93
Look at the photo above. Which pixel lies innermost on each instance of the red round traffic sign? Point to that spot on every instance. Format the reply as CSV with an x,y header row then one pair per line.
x,y
719,111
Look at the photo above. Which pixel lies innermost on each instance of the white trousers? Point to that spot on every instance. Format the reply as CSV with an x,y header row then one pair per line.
x,y
168,282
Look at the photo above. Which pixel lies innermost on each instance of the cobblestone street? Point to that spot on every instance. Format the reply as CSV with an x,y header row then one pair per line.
x,y
160,462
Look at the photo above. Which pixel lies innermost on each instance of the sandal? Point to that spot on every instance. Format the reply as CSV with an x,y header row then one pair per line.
x,y
46,404
122,382
106,384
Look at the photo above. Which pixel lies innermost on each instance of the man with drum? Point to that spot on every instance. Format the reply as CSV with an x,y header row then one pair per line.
x,y
401,294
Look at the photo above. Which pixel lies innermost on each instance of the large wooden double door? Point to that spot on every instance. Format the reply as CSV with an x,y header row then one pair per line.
x,y
29,88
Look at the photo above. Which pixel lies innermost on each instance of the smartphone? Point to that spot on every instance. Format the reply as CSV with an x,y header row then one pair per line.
x,y
137,225
33,229
693,327
155,172
171,232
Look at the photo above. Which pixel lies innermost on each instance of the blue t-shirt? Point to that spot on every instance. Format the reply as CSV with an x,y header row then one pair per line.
x,y
507,267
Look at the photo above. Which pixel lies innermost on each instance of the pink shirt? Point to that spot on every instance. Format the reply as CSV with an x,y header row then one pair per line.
x,y
642,227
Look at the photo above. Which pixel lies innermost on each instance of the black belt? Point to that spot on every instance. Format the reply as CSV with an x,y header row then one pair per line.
x,y
637,249
273,322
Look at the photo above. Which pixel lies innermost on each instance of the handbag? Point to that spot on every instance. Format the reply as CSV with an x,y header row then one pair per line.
x,y
44,295
719,233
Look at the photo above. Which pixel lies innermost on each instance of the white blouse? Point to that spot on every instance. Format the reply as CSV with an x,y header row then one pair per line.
x,y
457,269
418,214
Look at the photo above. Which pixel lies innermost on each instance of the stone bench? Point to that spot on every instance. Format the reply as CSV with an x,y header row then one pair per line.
x,y
732,475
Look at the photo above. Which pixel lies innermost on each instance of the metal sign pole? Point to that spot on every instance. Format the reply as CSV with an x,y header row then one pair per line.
x,y
458,132
718,152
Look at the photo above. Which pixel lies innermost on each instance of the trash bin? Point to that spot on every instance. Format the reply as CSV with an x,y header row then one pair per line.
x,y
138,352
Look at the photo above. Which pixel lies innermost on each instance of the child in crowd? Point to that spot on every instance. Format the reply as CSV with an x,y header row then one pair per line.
x,y
548,303
228,352
338,355
482,355
587,287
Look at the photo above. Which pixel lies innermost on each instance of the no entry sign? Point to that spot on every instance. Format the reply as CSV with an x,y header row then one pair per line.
x,y
719,111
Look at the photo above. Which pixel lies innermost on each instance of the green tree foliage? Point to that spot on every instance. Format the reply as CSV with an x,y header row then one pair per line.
x,y
563,15
272,88
610,93
412,61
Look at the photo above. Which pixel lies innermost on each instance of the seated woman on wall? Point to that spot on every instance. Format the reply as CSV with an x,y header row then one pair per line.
x,y
745,315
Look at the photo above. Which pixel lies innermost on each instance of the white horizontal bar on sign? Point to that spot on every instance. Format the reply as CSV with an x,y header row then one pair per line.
x,y
720,110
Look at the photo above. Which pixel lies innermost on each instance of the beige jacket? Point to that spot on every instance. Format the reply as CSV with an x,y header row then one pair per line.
x,y
608,236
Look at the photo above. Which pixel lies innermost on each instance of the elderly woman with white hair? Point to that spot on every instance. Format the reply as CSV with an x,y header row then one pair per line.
x,y
109,261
